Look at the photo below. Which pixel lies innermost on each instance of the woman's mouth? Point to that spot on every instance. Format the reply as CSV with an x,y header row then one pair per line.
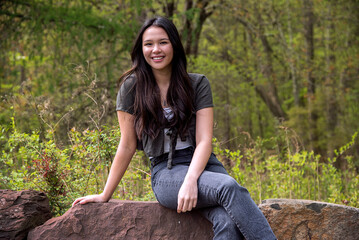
x,y
158,58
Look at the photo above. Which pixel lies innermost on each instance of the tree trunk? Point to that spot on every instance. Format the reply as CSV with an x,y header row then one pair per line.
x,y
169,8
268,91
203,15
309,39
194,21
187,30
291,58
330,83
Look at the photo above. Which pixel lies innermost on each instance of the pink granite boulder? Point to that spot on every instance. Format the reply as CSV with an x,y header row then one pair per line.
x,y
21,211
124,220
304,219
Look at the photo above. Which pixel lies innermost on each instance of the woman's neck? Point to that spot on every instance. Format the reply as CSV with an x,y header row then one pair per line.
x,y
163,79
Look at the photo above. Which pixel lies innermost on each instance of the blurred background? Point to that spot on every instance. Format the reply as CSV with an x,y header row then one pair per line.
x,y
284,76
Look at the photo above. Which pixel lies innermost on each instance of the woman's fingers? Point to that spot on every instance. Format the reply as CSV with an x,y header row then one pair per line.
x,y
179,206
194,203
88,199
77,201
186,204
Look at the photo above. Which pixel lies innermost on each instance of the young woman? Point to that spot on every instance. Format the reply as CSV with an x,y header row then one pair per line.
x,y
169,114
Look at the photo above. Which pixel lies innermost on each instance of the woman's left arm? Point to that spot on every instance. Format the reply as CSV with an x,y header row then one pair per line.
x,y
188,193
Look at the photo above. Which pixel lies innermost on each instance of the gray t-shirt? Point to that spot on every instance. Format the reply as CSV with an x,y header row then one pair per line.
x,y
155,147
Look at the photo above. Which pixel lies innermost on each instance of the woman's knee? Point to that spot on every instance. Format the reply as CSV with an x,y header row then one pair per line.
x,y
231,185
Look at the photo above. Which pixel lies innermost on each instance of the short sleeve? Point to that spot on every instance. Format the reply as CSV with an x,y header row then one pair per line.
x,y
203,93
126,96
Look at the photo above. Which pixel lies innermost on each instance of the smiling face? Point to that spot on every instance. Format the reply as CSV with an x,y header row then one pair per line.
x,y
157,49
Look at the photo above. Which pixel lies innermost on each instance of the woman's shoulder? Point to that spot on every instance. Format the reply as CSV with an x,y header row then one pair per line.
x,y
198,79
128,82
202,90
127,85
196,76
126,95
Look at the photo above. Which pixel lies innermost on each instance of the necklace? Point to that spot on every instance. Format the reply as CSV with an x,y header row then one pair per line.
x,y
164,103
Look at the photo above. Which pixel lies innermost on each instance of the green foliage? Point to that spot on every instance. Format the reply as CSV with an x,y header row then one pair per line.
x,y
67,172
268,168
61,59
298,175
251,44
58,53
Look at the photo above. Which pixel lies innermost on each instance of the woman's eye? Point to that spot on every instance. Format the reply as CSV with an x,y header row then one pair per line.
x,y
148,44
163,43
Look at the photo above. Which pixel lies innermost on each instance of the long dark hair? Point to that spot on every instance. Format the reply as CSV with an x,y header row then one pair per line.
x,y
149,117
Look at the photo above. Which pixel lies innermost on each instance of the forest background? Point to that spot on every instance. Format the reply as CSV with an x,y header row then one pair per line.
x,y
284,75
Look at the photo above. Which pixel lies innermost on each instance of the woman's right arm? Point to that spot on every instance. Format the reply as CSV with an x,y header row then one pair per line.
x,y
125,151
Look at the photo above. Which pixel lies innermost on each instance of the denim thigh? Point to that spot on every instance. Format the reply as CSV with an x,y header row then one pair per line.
x,y
166,183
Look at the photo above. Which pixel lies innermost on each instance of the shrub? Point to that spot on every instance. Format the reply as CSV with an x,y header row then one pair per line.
x,y
299,175
81,168
67,172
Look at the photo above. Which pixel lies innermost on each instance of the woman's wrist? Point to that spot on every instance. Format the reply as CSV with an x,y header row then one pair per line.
x,y
105,197
191,177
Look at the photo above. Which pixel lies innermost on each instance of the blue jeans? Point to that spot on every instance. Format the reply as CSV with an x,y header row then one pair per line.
x,y
221,199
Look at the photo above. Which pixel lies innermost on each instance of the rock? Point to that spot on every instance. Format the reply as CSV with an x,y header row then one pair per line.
x,y
21,211
289,219
124,220
304,219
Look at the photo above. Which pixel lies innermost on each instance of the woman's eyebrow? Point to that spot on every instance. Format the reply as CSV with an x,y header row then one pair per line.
x,y
150,40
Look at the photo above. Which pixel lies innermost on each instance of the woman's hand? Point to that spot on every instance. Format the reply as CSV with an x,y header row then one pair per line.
x,y
90,198
187,196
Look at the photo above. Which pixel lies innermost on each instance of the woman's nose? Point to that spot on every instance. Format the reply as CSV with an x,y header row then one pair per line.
x,y
156,48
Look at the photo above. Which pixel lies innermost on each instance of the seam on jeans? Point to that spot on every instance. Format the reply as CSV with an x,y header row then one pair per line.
x,y
246,234
168,183
154,192
208,187
238,225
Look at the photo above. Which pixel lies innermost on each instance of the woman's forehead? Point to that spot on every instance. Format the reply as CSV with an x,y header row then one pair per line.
x,y
154,33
